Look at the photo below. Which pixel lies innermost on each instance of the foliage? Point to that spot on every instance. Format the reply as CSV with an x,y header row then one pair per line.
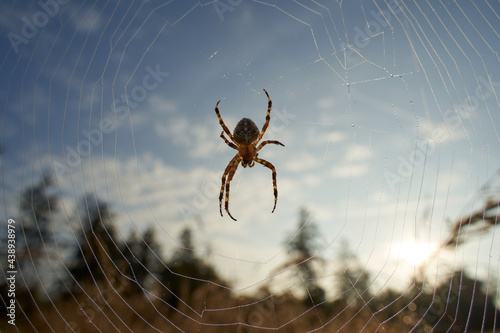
x,y
126,285
477,222
302,250
97,253
185,273
353,281
144,265
38,208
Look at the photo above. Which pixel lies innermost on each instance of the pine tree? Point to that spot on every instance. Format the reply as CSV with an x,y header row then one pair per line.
x,y
302,249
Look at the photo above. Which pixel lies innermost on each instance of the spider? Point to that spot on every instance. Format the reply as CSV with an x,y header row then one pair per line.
x,y
245,139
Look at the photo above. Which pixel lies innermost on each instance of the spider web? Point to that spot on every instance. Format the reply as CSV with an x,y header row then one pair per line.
x,y
111,161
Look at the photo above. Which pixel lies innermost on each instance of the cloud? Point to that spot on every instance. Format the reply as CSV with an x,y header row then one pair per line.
x,y
161,106
90,22
303,161
326,103
173,128
321,135
141,191
198,139
357,153
442,132
353,163
349,171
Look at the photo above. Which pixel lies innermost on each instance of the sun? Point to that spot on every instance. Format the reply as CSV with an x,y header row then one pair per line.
x,y
413,252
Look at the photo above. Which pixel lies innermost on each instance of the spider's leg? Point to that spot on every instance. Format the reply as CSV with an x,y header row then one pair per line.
x,y
268,117
263,143
229,143
273,169
221,122
229,178
228,169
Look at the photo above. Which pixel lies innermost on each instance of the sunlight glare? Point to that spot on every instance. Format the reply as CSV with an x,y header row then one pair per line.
x,y
413,252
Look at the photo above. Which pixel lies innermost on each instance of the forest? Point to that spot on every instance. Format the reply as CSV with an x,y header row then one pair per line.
x,y
83,277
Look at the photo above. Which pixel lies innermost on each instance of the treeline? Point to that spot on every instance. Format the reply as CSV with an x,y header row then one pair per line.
x,y
80,274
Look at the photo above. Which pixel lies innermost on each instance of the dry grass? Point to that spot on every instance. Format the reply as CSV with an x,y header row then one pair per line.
x,y
210,309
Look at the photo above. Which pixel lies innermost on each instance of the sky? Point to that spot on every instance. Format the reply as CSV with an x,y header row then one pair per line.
x,y
388,111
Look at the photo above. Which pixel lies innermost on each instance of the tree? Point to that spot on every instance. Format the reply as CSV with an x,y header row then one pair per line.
x,y
302,248
141,254
38,257
98,251
186,273
458,304
37,253
37,208
352,281
477,222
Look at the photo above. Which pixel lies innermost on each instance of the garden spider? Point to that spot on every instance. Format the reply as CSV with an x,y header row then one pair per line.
x,y
245,138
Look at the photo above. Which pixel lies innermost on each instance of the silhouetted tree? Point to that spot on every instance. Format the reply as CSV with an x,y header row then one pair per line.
x,y
37,208
37,256
477,222
458,304
141,254
185,255
98,252
352,281
186,272
302,248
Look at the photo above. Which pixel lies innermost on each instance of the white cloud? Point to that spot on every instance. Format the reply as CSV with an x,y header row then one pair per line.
x,y
91,21
326,103
321,135
160,105
357,153
303,161
198,138
349,170
354,162
173,128
442,132
141,191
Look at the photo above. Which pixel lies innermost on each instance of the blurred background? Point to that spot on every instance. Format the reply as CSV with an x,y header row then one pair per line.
x,y
111,165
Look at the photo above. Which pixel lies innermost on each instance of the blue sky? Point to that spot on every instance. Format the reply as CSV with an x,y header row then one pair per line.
x,y
388,112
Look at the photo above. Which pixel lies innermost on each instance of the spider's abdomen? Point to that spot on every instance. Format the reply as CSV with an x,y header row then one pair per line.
x,y
245,132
